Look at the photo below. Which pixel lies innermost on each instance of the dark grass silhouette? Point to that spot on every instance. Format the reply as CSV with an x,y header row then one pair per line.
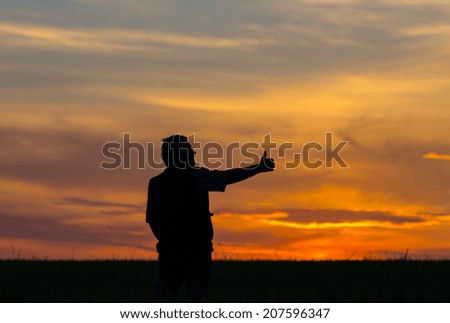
x,y
233,281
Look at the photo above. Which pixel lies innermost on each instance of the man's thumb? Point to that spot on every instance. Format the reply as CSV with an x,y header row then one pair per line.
x,y
265,154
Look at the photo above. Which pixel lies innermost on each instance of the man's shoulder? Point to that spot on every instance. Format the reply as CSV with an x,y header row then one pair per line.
x,y
157,178
210,180
198,172
203,170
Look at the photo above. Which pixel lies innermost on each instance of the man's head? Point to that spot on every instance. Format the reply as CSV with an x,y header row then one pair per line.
x,y
177,152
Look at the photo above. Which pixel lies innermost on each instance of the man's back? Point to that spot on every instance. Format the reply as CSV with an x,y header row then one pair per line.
x,y
178,212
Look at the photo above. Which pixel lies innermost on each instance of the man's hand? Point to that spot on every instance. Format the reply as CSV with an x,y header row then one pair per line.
x,y
266,164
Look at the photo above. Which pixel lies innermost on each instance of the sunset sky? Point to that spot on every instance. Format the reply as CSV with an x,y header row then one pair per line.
x,y
77,74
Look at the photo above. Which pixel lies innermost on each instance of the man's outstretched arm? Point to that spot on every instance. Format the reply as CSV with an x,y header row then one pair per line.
x,y
239,174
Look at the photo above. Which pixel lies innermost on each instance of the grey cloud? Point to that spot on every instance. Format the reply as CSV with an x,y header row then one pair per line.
x,y
306,215
63,158
44,228
316,41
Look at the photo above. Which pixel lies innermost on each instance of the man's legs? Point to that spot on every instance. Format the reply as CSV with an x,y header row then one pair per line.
x,y
192,269
198,278
170,278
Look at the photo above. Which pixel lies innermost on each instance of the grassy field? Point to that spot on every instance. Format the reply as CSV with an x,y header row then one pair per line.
x,y
233,281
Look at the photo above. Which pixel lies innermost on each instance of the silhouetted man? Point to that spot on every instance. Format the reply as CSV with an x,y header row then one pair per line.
x,y
179,216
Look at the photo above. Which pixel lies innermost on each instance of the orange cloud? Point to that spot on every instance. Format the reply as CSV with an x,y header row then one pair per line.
x,y
436,156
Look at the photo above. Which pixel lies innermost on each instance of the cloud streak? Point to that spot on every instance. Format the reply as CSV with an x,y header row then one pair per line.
x,y
313,219
73,200
436,156
121,40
